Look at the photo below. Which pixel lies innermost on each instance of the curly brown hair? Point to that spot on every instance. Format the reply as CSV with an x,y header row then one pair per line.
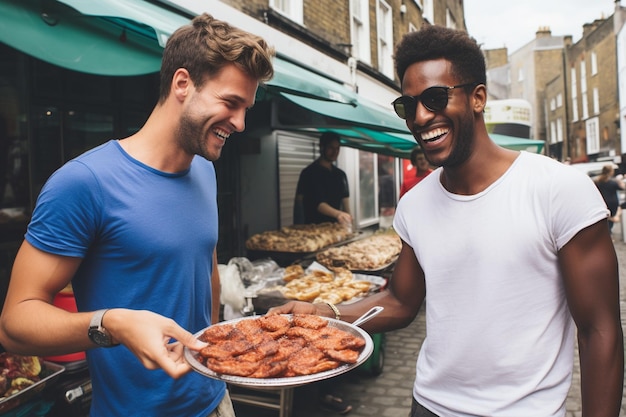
x,y
434,42
206,45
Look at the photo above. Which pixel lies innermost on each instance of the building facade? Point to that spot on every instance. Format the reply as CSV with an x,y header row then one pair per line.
x,y
58,100
573,88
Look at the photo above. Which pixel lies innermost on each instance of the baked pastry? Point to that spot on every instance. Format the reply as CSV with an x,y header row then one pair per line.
x,y
369,254
299,238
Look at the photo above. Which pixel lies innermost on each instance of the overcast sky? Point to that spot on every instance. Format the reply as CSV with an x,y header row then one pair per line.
x,y
512,24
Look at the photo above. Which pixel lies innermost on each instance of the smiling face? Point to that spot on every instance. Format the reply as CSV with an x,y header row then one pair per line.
x,y
212,113
445,136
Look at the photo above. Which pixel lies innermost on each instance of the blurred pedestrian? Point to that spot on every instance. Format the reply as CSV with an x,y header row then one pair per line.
x,y
422,169
609,186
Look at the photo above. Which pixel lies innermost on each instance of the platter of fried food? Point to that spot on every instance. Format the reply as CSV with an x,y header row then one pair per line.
x,y
373,253
279,350
323,286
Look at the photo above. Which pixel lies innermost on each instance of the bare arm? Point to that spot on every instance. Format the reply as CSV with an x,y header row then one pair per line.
x,y
590,272
401,300
31,325
341,216
215,291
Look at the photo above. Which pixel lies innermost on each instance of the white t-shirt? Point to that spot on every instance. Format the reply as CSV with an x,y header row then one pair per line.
x,y
499,336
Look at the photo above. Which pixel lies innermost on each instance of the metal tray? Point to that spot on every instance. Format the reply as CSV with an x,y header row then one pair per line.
x,y
191,357
52,372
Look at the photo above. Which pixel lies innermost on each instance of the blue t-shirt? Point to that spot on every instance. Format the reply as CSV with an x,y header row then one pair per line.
x,y
146,238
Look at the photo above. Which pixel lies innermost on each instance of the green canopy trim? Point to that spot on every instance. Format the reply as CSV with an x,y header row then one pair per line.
x,y
297,80
112,39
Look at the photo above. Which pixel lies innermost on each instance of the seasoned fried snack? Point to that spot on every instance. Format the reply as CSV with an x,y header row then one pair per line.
x,y
325,287
292,272
299,238
278,346
368,254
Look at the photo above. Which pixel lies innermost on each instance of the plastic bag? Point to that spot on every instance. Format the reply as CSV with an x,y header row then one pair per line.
x,y
232,287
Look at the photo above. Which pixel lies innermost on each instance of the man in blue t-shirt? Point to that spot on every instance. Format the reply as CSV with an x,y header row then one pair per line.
x,y
322,194
132,225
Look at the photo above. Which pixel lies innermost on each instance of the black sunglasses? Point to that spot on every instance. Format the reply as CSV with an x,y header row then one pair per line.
x,y
433,98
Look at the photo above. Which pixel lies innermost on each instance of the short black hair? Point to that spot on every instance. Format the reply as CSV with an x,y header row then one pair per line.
x,y
416,151
435,42
328,137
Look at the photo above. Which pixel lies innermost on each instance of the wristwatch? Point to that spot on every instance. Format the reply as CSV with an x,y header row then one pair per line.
x,y
98,334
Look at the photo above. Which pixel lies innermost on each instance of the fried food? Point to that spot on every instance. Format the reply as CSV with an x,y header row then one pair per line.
x,y
299,238
18,372
309,321
323,286
278,346
292,272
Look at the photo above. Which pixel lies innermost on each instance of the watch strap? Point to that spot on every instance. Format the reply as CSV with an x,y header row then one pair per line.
x,y
95,326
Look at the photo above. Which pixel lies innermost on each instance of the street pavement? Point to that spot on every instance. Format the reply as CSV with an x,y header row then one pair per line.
x,y
389,394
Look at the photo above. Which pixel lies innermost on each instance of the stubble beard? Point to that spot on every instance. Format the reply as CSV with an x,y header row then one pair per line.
x,y
463,144
191,138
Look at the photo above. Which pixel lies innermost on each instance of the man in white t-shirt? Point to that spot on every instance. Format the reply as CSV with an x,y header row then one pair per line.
x,y
511,251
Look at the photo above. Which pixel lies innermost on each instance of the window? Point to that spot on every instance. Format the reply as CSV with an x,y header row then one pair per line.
x,y
559,130
594,63
387,190
583,97
412,27
359,10
574,95
552,132
559,100
450,20
552,104
290,8
428,12
583,77
385,39
596,101
593,136
367,201
419,4
520,74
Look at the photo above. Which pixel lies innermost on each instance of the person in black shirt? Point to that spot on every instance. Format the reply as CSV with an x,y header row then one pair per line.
x,y
322,194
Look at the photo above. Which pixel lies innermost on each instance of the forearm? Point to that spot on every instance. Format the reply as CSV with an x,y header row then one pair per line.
x,y
37,328
602,372
345,204
394,316
328,210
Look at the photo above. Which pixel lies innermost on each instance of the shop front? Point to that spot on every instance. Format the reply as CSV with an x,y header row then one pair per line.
x,y
76,74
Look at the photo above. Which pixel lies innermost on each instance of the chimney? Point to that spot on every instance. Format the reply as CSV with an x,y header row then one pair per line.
x,y
543,32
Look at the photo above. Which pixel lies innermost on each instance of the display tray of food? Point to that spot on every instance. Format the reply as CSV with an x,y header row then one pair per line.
x,y
23,377
317,284
279,350
373,253
291,243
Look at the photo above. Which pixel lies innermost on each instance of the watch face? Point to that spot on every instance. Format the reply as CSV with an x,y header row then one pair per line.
x,y
99,338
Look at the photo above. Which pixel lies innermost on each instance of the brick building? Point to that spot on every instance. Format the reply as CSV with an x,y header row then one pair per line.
x,y
573,88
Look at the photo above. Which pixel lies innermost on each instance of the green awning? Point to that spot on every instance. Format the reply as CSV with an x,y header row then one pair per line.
x,y
361,114
113,37
400,145
296,79
385,143
147,18
518,144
